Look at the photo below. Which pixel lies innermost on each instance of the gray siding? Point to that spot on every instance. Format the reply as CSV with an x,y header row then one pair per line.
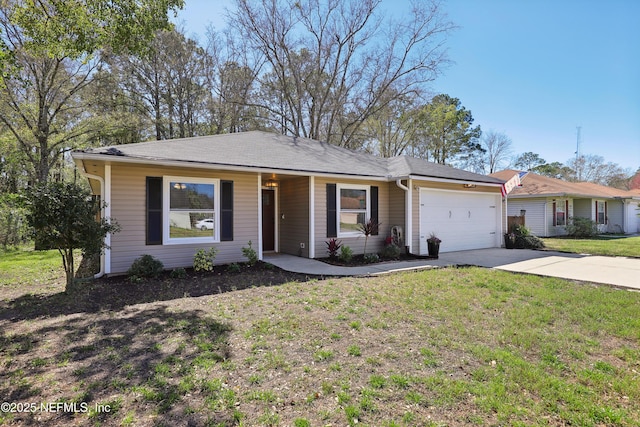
x,y
128,189
534,217
583,208
396,209
615,213
294,205
375,243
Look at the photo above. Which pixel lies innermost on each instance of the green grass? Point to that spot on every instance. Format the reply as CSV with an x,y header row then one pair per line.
x,y
20,267
459,346
606,245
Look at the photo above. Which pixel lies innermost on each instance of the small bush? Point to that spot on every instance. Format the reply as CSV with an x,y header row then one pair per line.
x,y
178,273
524,238
391,251
333,246
371,258
532,242
250,254
145,267
581,227
234,268
346,254
203,260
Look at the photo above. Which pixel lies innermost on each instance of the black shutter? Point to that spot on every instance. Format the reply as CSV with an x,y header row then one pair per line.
x,y
154,210
226,211
374,207
332,226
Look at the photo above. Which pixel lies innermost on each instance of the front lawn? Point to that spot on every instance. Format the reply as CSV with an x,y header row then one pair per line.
x,y
606,245
451,346
24,267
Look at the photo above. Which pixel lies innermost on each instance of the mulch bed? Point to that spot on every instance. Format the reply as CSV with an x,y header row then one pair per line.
x,y
116,292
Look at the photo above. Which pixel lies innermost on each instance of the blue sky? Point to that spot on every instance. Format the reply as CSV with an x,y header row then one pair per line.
x,y
534,70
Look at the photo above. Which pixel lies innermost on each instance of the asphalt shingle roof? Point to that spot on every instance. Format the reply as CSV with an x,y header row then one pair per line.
x,y
265,150
538,185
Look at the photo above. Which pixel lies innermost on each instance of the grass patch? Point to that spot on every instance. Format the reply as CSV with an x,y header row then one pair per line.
x,y
25,268
605,245
465,346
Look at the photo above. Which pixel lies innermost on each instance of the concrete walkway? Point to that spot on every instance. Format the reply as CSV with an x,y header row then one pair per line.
x,y
616,271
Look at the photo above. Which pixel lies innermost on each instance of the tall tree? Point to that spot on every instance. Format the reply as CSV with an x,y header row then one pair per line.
x,y
528,161
231,73
594,168
554,170
498,149
41,101
634,182
332,64
52,45
77,28
449,134
392,130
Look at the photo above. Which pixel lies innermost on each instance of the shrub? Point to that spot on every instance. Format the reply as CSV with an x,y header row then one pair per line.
x,y
524,238
369,228
371,258
234,268
178,273
250,254
145,267
531,242
332,247
391,251
203,260
345,254
63,216
581,227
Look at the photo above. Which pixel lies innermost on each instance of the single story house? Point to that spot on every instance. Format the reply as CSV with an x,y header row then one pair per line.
x,y
548,204
284,194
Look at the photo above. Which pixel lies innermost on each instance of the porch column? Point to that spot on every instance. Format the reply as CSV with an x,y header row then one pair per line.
x,y
312,217
107,214
259,216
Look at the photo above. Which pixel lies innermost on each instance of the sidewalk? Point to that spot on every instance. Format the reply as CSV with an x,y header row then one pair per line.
x,y
319,268
616,271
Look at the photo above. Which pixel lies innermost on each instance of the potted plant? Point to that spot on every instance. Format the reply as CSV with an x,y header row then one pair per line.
x,y
510,240
433,245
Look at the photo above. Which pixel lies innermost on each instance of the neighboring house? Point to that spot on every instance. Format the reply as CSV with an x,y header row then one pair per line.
x,y
549,203
284,194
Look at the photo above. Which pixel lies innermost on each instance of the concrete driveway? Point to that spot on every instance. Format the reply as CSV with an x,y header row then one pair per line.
x,y
616,271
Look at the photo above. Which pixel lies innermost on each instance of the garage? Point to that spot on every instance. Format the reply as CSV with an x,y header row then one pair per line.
x,y
463,220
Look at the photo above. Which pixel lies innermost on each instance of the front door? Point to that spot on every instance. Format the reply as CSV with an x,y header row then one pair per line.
x,y
268,219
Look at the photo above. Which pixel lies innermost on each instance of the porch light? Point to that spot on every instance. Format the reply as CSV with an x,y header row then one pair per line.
x,y
271,183
469,185
522,212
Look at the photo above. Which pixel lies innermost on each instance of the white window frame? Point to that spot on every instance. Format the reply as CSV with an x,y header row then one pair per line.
x,y
367,213
604,212
166,205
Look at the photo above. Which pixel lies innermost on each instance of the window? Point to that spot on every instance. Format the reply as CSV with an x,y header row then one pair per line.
x,y
353,208
601,212
560,213
191,210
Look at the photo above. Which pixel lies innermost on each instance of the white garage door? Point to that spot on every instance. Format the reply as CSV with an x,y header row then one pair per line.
x,y
463,220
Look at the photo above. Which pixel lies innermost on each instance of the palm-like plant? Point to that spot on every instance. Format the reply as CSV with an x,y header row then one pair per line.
x,y
370,227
